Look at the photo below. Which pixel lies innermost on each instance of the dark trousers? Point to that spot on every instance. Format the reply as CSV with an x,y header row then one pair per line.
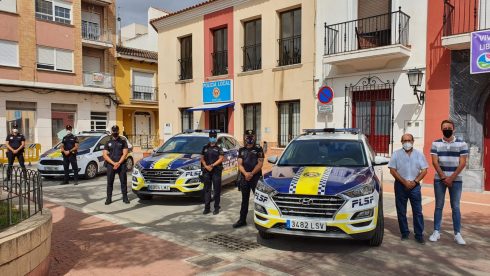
x,y
402,195
246,187
67,160
123,178
11,158
212,178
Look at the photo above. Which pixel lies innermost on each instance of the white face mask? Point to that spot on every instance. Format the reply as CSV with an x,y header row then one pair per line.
x,y
407,146
15,130
68,132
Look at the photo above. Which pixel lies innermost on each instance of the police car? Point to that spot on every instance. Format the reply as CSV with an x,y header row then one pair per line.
x,y
327,183
175,168
89,156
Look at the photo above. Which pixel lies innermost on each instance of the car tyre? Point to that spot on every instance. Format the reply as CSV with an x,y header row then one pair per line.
x,y
264,235
377,238
144,197
91,170
129,164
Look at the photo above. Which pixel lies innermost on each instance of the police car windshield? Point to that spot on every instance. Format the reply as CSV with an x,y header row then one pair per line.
x,y
189,145
328,153
86,142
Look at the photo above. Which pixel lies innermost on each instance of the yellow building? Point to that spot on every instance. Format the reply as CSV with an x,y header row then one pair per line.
x,y
137,94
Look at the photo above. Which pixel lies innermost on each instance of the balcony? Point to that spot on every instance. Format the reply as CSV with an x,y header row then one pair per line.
x,y
220,63
460,18
252,57
99,2
140,93
367,42
97,79
289,50
185,68
95,36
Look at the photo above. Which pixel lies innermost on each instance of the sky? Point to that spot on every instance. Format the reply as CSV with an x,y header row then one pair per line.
x,y
135,11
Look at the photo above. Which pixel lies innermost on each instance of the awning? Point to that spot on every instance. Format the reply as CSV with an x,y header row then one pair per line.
x,y
209,107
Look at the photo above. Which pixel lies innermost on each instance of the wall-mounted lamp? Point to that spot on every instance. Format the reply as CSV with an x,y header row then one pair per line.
x,y
415,77
107,102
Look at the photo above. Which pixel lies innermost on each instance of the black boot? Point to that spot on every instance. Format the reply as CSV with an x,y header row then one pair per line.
x,y
125,199
64,182
108,201
239,223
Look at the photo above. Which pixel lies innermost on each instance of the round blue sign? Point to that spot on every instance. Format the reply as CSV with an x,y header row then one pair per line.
x,y
325,94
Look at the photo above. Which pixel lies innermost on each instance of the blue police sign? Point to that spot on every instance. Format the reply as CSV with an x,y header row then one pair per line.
x,y
217,91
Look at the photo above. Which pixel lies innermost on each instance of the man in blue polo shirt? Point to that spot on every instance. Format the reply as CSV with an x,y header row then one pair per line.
x,y
408,166
449,156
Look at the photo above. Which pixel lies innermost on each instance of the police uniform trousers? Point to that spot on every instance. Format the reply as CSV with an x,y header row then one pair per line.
x,y
213,178
67,160
11,158
246,187
123,178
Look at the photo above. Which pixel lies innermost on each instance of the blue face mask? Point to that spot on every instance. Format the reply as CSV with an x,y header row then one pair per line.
x,y
213,139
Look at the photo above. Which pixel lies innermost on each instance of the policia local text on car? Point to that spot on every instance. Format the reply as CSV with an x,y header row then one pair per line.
x,y
250,162
212,156
15,149
69,149
115,152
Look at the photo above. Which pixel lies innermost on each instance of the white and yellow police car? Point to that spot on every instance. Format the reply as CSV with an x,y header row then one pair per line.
x,y
327,183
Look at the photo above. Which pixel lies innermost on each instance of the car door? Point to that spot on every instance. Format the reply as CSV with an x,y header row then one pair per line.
x,y
233,147
98,153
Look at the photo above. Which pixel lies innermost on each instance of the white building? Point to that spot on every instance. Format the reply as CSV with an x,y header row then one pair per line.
x,y
364,49
140,36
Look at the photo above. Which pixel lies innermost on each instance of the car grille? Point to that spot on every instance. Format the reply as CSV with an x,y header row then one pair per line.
x,y
161,176
329,229
308,205
50,162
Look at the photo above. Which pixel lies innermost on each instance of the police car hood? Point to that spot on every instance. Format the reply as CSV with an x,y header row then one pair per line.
x,y
317,180
55,153
170,161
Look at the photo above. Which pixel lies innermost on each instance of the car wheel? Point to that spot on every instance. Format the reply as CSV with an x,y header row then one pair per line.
x,y
377,238
129,164
144,197
91,170
264,235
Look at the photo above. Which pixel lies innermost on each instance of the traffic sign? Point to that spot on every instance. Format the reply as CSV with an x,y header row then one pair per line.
x,y
325,95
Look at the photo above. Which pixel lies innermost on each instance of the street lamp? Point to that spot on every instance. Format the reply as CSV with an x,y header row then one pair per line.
x,y
415,80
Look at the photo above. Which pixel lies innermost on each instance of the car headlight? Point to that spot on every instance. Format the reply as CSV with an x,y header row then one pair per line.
x,y
137,169
266,189
361,190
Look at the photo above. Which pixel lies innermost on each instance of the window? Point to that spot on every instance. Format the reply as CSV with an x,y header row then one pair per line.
x,y
187,119
8,5
54,59
252,119
9,53
143,87
102,142
252,53
98,121
22,114
55,10
289,122
61,115
185,58
290,38
220,52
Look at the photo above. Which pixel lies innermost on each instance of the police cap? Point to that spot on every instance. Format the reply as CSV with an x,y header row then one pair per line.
x,y
249,132
68,127
213,133
115,128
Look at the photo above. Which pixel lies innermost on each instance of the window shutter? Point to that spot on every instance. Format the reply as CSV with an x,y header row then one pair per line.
x,y
64,60
143,79
9,53
368,8
45,55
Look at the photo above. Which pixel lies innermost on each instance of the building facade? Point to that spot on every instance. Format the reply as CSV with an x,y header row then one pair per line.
x,y
236,65
364,50
56,67
452,91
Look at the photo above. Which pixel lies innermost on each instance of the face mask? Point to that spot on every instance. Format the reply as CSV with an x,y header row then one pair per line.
x,y
250,140
407,146
115,134
68,132
448,133
15,130
213,140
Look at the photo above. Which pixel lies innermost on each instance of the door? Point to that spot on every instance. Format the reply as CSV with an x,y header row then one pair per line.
x,y
91,27
289,122
142,129
218,119
486,155
371,113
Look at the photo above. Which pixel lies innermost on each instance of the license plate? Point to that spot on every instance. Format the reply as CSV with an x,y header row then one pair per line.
x,y
306,225
52,168
158,187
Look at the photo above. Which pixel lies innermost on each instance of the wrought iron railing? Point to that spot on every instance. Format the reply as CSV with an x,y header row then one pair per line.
x,y
289,50
371,32
220,63
20,195
144,93
465,16
97,79
185,68
93,31
144,141
252,57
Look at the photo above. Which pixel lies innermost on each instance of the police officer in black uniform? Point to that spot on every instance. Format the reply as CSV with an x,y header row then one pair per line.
x,y
212,157
115,152
15,149
69,149
250,161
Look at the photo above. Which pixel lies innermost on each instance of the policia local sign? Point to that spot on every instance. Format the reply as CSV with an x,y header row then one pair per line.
x,y
217,91
480,52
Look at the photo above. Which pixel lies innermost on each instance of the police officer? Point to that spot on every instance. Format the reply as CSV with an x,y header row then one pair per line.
x,y
212,157
15,149
115,152
69,149
250,161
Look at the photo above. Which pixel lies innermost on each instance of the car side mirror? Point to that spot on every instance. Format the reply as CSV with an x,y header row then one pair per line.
x,y
380,161
272,159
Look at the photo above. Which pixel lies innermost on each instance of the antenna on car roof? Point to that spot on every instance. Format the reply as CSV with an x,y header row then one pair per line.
x,y
314,131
